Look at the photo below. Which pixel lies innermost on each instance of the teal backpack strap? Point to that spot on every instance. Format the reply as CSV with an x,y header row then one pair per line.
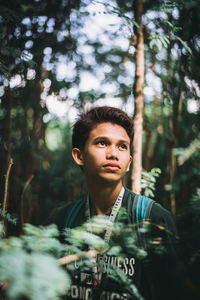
x,y
73,212
143,208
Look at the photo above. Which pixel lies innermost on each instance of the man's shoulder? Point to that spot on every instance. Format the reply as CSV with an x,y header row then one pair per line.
x,y
129,195
157,208
160,215
70,205
130,198
157,211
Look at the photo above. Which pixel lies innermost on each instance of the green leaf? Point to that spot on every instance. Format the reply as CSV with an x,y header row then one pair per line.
x,y
185,45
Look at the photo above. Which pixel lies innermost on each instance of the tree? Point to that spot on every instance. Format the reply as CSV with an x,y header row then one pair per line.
x,y
49,34
138,98
30,42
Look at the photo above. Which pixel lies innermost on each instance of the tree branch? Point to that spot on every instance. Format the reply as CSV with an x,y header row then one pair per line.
x,y
74,257
22,199
5,198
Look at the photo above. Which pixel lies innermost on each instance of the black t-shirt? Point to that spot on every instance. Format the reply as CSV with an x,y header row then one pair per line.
x,y
158,277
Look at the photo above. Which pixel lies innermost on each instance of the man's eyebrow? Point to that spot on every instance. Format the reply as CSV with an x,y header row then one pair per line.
x,y
101,138
105,138
124,142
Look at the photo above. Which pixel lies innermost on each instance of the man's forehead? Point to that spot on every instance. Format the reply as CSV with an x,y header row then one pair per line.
x,y
109,130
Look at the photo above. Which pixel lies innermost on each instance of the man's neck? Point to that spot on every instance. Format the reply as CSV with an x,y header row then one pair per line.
x,y
102,198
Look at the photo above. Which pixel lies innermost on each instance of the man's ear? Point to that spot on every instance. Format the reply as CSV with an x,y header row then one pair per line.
x,y
128,168
77,156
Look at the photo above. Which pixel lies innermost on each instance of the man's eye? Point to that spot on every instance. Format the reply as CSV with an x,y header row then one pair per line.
x,y
123,146
101,143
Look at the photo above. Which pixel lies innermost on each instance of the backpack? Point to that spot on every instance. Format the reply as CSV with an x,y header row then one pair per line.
x,y
141,209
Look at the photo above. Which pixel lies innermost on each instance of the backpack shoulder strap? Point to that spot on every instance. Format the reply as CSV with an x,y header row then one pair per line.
x,y
141,208
73,211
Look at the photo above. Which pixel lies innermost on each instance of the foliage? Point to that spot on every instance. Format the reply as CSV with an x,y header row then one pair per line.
x,y
7,216
158,40
116,275
149,181
89,236
196,197
185,153
28,266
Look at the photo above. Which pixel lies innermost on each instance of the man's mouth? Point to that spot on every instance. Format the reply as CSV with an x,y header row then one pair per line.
x,y
112,166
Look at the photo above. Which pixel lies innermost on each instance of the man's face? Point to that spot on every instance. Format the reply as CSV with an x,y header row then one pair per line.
x,y
106,154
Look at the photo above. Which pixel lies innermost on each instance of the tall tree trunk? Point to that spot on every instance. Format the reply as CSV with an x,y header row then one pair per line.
x,y
149,148
178,109
174,125
8,124
172,169
8,161
138,99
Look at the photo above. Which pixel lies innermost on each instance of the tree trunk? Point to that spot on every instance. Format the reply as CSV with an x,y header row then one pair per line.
x,y
8,161
178,109
172,169
8,103
149,132
138,99
174,125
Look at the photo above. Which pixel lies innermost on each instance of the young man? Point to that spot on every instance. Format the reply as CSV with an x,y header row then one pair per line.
x,y
102,140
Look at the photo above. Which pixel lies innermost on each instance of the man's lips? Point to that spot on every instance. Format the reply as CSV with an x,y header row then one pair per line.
x,y
112,166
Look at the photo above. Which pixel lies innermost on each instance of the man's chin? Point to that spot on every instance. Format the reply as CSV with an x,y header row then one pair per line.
x,y
111,177
106,178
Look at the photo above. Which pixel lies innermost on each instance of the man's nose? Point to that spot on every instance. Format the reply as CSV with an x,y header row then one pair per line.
x,y
112,152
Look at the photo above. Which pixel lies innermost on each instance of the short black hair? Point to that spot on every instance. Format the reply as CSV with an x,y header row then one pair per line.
x,y
90,119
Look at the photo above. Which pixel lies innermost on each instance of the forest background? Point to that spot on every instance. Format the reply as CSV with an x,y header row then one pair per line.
x,y
59,57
